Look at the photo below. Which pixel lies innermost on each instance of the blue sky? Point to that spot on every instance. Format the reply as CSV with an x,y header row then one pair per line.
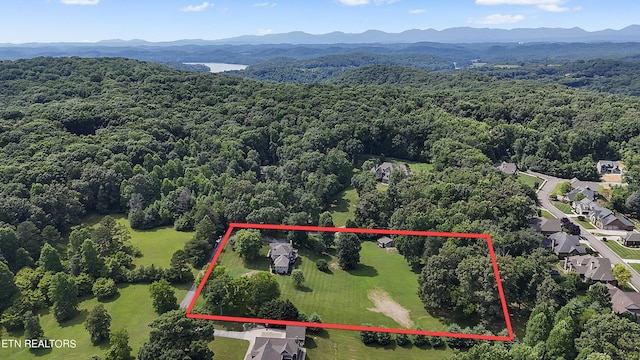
x,y
165,20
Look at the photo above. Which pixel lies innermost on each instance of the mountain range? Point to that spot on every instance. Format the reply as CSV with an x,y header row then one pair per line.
x,y
453,35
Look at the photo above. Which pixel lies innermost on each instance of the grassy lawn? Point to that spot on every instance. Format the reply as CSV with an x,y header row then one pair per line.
x,y
344,207
565,208
584,223
157,245
545,214
132,310
225,348
529,180
635,267
341,297
343,344
622,251
556,189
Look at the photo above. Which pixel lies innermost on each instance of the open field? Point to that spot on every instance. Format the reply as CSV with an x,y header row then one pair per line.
x,y
622,251
342,297
635,267
132,309
344,207
529,180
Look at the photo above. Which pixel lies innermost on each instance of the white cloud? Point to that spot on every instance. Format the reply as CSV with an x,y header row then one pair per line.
x,y
553,8
546,5
196,8
264,31
265,4
417,11
80,2
354,2
497,19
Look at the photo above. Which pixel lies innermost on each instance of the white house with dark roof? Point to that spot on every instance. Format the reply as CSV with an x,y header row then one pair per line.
x,y
608,167
288,348
282,256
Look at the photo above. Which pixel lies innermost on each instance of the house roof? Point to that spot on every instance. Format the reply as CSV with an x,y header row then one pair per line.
x,y
385,240
281,261
594,268
623,301
384,170
566,243
277,249
632,236
588,193
274,349
506,167
545,225
293,332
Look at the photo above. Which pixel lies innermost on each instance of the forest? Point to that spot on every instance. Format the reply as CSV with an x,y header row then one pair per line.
x,y
198,151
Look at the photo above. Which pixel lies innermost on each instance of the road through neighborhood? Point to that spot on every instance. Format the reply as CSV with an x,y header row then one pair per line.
x,y
597,245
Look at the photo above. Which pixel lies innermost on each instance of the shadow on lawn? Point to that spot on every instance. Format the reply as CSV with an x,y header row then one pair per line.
x,y
303,288
76,320
364,270
340,204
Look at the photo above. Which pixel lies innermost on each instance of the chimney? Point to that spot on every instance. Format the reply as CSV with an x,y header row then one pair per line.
x,y
591,264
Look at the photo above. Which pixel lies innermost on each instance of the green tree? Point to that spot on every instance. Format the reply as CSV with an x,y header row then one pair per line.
x,y
248,243
163,296
63,292
278,310
50,259
217,291
327,237
560,342
538,328
262,287
91,262
315,318
598,293
402,339
32,328
348,250
298,277
367,337
119,348
610,334
8,288
622,274
174,336
97,324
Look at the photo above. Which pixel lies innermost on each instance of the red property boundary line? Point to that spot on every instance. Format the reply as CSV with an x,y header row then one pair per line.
x,y
234,226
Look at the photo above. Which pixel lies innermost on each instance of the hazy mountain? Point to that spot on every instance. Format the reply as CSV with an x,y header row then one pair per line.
x,y
453,35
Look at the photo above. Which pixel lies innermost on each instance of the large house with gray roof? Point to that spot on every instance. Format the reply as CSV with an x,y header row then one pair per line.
x,y
562,243
288,348
384,170
624,301
282,256
591,268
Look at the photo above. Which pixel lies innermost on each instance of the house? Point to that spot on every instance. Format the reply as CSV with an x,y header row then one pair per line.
x,y
506,167
384,170
605,219
586,191
601,217
632,239
591,268
282,257
289,348
609,167
624,302
566,244
385,242
545,226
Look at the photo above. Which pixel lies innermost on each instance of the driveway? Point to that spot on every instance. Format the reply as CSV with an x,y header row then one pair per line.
x,y
597,245
250,335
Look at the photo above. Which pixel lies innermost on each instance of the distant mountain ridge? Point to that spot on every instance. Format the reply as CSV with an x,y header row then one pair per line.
x,y
452,35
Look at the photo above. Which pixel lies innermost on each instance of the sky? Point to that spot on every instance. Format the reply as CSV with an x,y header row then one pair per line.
x,y
24,21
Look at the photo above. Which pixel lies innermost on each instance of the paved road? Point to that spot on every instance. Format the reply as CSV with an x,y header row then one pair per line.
x,y
597,245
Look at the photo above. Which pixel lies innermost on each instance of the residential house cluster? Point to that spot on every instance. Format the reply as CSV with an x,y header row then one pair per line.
x,y
591,268
587,205
561,243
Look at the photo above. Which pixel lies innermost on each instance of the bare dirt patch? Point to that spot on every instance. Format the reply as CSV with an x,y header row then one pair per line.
x,y
334,265
613,178
387,306
250,273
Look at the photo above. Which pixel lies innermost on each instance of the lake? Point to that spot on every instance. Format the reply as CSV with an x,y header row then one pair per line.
x,y
220,67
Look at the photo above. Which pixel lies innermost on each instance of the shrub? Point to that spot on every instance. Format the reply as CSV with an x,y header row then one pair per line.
x,y
402,339
104,288
322,265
